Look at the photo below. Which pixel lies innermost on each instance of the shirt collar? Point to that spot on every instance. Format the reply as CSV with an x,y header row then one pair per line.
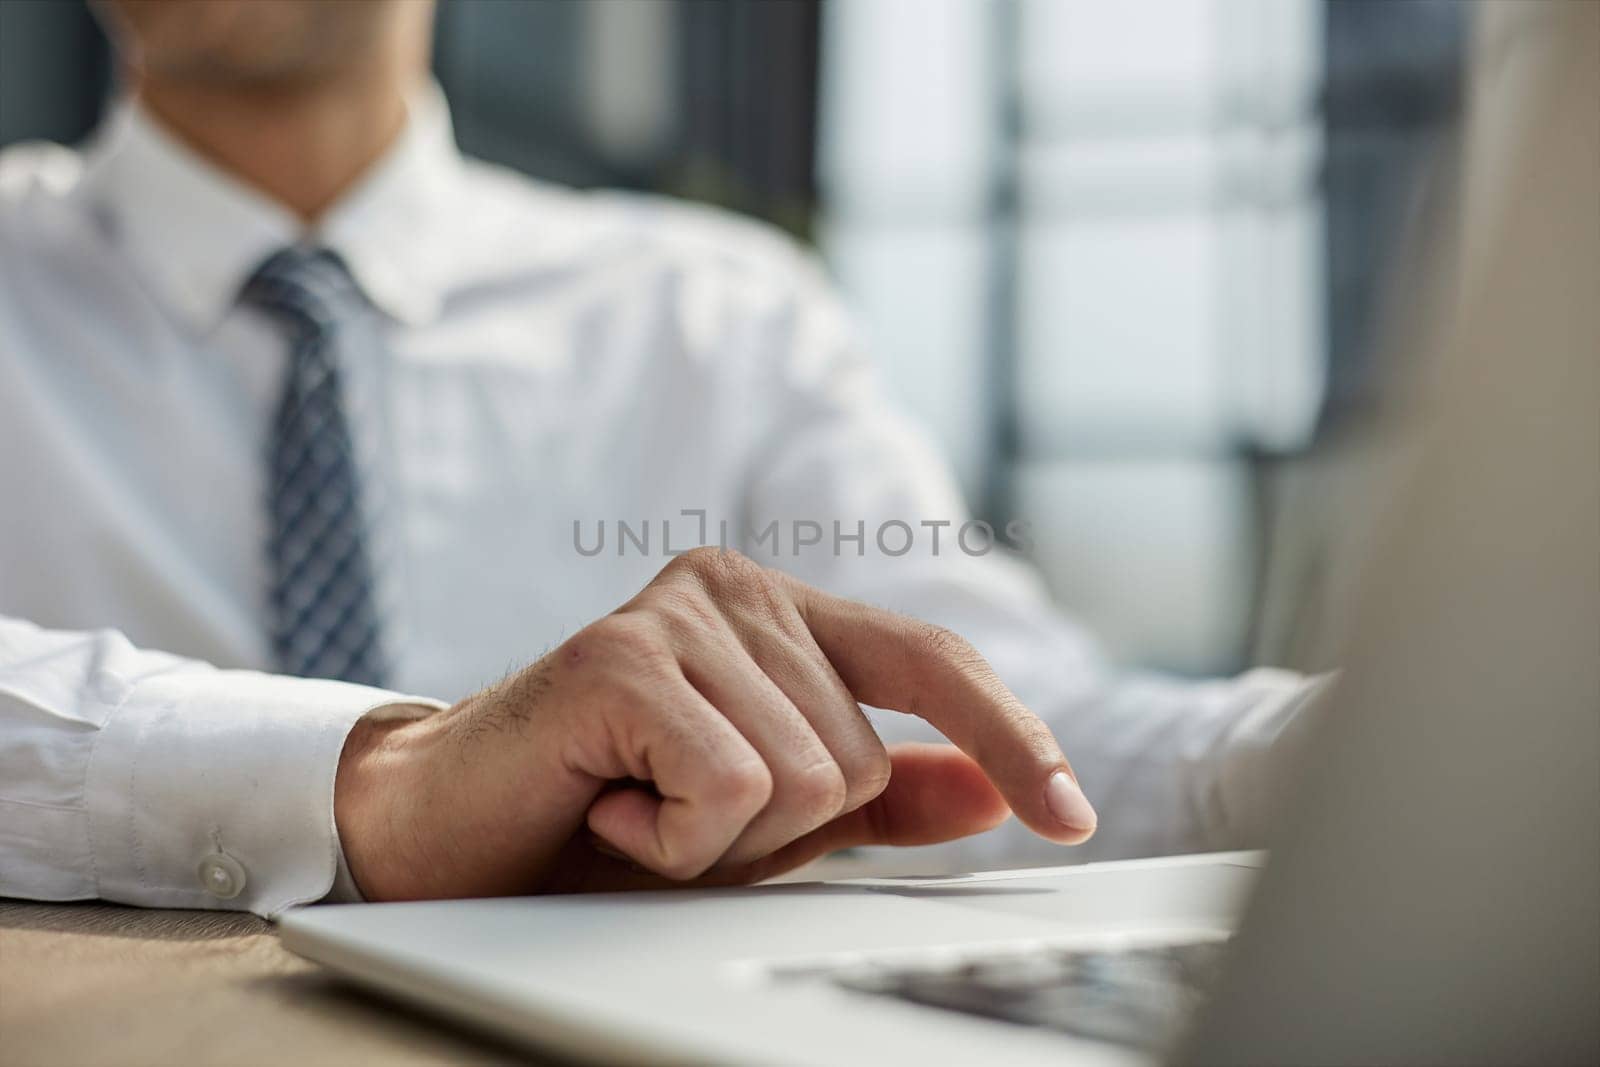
x,y
196,233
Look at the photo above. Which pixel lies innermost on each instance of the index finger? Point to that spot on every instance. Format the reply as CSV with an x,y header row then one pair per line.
x,y
891,661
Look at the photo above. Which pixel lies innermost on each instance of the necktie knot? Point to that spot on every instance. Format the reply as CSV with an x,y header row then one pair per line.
x,y
302,284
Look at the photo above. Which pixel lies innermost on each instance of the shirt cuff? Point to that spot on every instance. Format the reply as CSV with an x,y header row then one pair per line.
x,y
214,789
1256,771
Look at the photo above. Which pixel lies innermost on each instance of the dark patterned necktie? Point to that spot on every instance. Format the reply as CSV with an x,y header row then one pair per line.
x,y
325,618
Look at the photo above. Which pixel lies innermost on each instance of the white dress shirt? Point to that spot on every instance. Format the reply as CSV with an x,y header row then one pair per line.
x,y
526,358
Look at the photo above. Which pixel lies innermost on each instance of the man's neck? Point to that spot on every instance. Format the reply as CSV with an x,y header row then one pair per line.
x,y
301,145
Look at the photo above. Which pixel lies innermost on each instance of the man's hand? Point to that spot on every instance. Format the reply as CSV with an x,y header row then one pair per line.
x,y
708,731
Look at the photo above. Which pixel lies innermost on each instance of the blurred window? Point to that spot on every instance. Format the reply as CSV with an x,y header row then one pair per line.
x,y
1091,243
695,98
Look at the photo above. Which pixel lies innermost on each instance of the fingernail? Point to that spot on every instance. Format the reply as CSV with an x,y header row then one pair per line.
x,y
1067,802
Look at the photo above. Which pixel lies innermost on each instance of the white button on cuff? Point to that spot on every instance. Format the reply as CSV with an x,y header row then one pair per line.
x,y
221,876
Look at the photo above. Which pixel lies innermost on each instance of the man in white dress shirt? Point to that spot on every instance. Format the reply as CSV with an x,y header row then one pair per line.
x,y
289,387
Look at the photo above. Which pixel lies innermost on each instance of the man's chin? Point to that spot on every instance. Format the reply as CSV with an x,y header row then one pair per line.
x,y
229,45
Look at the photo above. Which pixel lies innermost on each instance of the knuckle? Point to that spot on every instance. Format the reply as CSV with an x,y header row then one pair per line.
x,y
720,570
690,611
627,636
946,646
869,775
819,790
701,562
744,787
773,601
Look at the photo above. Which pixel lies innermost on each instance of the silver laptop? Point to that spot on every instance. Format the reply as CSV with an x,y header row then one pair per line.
x,y
1433,899
1012,967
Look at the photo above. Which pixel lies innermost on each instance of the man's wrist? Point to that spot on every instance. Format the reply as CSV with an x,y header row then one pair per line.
x,y
375,798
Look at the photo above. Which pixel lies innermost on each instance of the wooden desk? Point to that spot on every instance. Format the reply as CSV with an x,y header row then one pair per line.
x,y
87,984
